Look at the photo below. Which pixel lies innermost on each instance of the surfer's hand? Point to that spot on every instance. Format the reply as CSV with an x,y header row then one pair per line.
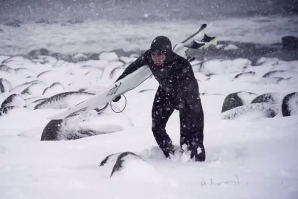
x,y
116,99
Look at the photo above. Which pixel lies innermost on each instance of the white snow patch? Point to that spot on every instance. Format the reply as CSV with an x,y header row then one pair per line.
x,y
219,46
247,97
127,60
108,56
231,47
94,63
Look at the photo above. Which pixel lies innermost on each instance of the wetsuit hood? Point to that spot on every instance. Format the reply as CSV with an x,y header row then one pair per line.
x,y
163,45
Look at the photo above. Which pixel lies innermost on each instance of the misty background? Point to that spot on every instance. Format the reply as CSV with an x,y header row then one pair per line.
x,y
130,10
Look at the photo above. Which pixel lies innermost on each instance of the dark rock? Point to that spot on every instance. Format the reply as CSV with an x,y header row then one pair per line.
x,y
43,21
74,21
44,51
231,101
79,57
269,98
94,56
290,43
234,100
290,104
35,53
50,132
64,57
15,23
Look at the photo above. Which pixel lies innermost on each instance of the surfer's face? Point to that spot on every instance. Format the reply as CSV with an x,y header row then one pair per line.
x,y
158,58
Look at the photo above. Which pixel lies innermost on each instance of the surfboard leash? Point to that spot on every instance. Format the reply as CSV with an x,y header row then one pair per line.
x,y
123,107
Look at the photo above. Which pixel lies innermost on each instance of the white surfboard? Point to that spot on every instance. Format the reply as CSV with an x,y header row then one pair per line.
x,y
122,86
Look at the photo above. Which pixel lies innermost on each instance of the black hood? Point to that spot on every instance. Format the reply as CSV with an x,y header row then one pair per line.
x,y
163,45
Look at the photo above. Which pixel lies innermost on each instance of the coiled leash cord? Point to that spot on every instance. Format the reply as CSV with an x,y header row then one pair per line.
x,y
123,107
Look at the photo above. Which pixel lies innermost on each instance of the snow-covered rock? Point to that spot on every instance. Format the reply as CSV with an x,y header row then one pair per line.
x,y
234,100
13,100
231,47
85,125
55,88
5,85
108,56
63,100
290,104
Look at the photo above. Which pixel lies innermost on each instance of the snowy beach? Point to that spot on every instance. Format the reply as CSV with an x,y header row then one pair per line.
x,y
250,149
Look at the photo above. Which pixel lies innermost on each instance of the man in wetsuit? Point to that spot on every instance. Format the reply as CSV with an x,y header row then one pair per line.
x,y
178,89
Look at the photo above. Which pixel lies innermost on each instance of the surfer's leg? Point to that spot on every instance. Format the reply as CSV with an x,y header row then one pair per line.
x,y
161,111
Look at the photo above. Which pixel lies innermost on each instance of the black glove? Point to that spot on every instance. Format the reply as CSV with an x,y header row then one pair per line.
x,y
116,99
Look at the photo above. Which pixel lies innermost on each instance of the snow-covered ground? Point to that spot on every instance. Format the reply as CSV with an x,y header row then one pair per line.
x,y
249,157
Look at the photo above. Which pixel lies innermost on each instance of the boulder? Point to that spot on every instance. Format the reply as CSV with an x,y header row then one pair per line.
x,y
234,100
290,104
290,43
5,85
13,100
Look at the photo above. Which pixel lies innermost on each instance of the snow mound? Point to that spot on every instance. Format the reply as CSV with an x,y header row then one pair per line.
x,y
94,63
109,56
24,72
225,67
13,100
20,88
287,66
3,58
108,71
281,73
245,76
53,89
5,68
110,159
35,89
129,166
127,60
230,47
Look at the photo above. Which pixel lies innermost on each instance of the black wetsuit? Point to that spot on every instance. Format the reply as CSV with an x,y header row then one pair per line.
x,y
178,89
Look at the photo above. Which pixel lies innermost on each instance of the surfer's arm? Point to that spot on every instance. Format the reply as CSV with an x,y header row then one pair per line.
x,y
141,61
